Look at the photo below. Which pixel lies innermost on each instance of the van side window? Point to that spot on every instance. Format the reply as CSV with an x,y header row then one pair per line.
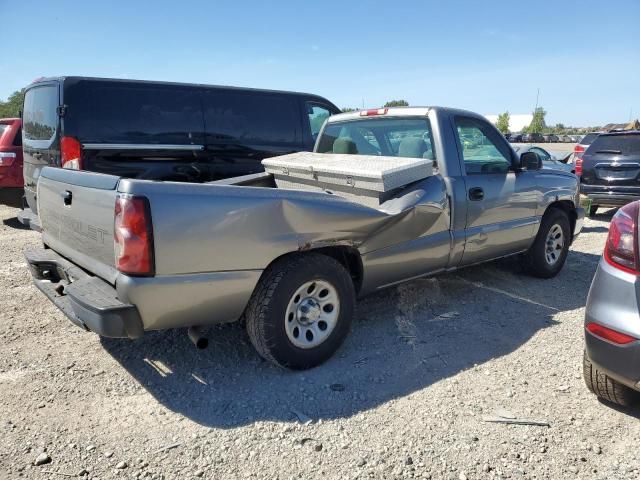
x,y
134,112
40,115
316,114
251,118
482,150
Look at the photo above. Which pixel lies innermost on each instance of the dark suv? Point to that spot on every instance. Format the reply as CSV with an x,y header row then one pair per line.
x,y
159,130
609,170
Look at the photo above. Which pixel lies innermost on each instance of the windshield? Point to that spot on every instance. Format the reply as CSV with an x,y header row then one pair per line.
x,y
391,137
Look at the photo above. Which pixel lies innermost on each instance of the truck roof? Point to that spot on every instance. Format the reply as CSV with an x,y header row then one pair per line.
x,y
397,112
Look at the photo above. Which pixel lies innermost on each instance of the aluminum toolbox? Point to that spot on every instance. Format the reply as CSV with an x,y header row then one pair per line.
x,y
365,179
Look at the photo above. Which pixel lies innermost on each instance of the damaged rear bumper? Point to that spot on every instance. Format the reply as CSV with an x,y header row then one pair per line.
x,y
89,302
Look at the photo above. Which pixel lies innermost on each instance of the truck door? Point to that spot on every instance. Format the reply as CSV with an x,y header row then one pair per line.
x,y
501,202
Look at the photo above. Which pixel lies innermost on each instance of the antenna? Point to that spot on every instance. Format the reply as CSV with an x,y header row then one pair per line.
x,y
537,98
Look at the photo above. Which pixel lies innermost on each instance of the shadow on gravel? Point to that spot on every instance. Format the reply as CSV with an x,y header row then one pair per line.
x,y
14,223
633,411
403,340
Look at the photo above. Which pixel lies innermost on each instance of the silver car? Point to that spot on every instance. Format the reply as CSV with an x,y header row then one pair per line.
x,y
612,318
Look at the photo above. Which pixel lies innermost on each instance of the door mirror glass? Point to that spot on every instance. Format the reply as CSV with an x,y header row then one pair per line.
x,y
530,161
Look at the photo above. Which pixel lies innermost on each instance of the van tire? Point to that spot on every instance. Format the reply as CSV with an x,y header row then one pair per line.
x,y
536,261
606,387
270,309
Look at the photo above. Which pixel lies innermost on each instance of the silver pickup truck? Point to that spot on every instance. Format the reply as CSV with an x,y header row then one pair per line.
x,y
124,256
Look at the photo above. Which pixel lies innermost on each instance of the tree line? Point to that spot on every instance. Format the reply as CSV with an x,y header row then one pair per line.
x,y
539,125
13,106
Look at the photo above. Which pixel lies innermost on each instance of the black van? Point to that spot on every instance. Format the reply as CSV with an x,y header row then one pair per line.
x,y
160,130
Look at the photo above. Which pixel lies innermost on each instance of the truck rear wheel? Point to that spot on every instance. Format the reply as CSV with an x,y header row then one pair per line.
x,y
549,251
606,387
301,310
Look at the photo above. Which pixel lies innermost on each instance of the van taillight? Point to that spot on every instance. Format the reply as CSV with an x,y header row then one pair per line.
x,y
71,153
621,249
133,236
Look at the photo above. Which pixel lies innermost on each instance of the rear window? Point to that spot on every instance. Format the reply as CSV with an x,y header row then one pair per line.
x,y
245,117
391,137
40,118
3,128
616,145
589,138
127,112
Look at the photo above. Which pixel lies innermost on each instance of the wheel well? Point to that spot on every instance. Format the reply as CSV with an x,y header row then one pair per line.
x,y
348,257
567,207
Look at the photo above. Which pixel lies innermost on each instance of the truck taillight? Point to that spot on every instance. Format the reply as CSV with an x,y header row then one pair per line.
x,y
621,249
71,153
133,236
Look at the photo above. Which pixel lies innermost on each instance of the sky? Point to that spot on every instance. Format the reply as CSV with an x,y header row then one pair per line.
x,y
484,56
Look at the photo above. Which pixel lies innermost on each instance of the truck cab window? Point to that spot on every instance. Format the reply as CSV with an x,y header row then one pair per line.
x,y
317,114
482,150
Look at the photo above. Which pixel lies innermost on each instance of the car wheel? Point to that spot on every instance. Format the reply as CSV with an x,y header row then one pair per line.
x,y
549,251
606,387
593,209
301,310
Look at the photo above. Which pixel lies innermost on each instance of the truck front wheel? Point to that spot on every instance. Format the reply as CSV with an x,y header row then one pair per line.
x,y
301,310
549,251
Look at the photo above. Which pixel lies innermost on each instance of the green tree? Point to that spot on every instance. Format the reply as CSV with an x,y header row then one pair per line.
x,y
502,123
13,105
396,103
537,124
349,109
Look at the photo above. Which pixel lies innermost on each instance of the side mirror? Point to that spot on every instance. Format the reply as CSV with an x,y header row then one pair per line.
x,y
530,161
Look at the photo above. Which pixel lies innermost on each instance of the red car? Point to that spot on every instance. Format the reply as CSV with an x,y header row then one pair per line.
x,y
11,182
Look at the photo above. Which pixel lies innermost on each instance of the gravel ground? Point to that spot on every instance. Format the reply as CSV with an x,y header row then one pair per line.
x,y
404,397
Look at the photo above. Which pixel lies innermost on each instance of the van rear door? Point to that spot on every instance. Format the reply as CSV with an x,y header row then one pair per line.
x,y
40,134
76,210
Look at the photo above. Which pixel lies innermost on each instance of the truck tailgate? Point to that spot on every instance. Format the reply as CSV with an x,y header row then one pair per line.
x,y
76,210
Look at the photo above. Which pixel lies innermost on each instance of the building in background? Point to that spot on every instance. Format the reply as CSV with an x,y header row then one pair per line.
x,y
517,122
634,125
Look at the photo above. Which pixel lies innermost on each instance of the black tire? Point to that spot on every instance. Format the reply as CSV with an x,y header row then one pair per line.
x,y
266,310
535,261
606,387
593,209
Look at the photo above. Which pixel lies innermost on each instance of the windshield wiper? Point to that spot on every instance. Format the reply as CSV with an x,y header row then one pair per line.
x,y
609,151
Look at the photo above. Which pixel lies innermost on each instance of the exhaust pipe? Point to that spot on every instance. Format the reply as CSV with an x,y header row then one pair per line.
x,y
199,340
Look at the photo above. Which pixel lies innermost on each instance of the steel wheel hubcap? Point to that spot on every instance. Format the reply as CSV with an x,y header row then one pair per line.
x,y
312,314
554,244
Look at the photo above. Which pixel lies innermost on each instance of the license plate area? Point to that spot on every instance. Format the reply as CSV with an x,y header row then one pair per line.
x,y
617,173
